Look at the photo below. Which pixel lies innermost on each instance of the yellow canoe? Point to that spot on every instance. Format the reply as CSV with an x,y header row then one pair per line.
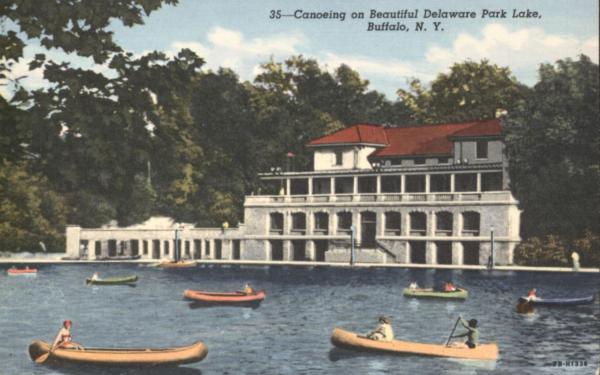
x,y
121,357
349,340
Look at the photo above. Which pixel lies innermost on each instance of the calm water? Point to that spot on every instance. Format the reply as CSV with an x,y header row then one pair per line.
x,y
289,333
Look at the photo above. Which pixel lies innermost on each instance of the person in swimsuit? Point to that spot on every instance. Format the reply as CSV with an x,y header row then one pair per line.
x,y
472,333
384,331
63,339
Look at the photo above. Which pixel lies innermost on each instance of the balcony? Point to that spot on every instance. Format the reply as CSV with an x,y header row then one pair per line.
x,y
496,196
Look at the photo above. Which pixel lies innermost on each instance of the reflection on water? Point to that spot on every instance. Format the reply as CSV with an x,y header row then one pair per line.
x,y
289,333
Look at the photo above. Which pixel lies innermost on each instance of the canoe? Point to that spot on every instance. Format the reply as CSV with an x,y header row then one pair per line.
x,y
112,280
560,301
216,298
430,293
349,340
178,264
121,356
24,271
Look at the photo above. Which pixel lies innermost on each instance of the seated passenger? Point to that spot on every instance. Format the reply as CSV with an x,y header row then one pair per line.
x,y
95,276
384,331
63,339
532,296
413,286
449,287
248,289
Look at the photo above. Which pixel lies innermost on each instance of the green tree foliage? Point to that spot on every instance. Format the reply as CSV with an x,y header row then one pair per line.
x,y
588,247
470,91
547,251
554,151
30,211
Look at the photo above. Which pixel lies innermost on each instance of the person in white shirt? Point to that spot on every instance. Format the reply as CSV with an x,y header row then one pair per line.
x,y
384,331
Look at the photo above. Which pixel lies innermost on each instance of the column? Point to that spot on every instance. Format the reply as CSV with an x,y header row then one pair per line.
x,y
430,230
357,228
452,179
310,222
211,250
427,183
104,248
405,217
287,250
310,186
402,184
332,223
479,182
331,185
430,253
91,249
288,184
457,253
141,249
150,248
310,250
161,246
380,231
72,234
378,184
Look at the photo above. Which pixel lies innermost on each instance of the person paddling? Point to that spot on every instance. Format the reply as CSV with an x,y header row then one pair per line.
x,y
63,339
472,333
532,295
384,331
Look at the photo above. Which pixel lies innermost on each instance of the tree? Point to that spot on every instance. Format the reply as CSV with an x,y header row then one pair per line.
x,y
30,211
554,151
471,91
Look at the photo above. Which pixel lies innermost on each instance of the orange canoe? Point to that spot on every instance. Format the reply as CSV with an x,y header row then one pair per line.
x,y
24,271
225,298
121,357
349,340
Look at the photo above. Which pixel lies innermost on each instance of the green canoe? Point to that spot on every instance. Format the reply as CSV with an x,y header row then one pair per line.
x,y
112,280
430,293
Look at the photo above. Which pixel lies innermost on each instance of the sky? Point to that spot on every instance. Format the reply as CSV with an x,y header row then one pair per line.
x,y
241,35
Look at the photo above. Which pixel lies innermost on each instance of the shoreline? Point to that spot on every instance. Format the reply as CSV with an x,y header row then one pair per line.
x,y
10,261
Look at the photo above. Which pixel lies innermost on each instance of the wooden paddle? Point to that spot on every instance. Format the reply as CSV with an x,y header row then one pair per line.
x,y
452,333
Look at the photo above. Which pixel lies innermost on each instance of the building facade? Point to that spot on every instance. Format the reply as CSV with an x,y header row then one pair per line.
x,y
429,194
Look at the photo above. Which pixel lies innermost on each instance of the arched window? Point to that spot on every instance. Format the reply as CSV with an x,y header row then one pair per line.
x,y
344,222
321,223
299,222
471,223
443,223
276,223
393,224
418,223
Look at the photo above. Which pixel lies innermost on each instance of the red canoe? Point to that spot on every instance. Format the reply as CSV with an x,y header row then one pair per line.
x,y
24,271
234,298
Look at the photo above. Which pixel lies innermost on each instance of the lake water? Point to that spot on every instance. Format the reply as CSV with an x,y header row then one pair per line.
x,y
289,333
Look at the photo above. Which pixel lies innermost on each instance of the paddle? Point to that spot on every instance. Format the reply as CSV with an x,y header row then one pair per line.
x,y
452,333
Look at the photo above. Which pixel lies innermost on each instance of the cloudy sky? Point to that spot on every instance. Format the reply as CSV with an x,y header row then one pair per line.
x,y
241,35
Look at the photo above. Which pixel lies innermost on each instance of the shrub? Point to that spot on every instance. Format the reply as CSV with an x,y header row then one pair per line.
x,y
548,251
588,248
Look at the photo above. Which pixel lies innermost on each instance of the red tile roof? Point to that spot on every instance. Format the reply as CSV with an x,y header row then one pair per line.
x,y
356,134
411,140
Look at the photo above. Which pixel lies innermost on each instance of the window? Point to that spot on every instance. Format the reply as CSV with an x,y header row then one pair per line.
x,y
418,223
466,182
390,184
393,224
321,222
338,157
344,222
299,222
344,185
482,149
276,223
440,183
443,223
321,186
415,183
419,161
367,184
298,186
445,160
471,223
491,181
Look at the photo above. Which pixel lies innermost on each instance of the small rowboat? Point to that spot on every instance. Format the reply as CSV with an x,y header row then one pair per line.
x,y
119,357
430,293
234,298
349,340
559,301
112,281
24,271
177,264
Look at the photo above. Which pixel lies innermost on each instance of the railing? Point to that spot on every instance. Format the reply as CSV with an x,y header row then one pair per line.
x,y
503,196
